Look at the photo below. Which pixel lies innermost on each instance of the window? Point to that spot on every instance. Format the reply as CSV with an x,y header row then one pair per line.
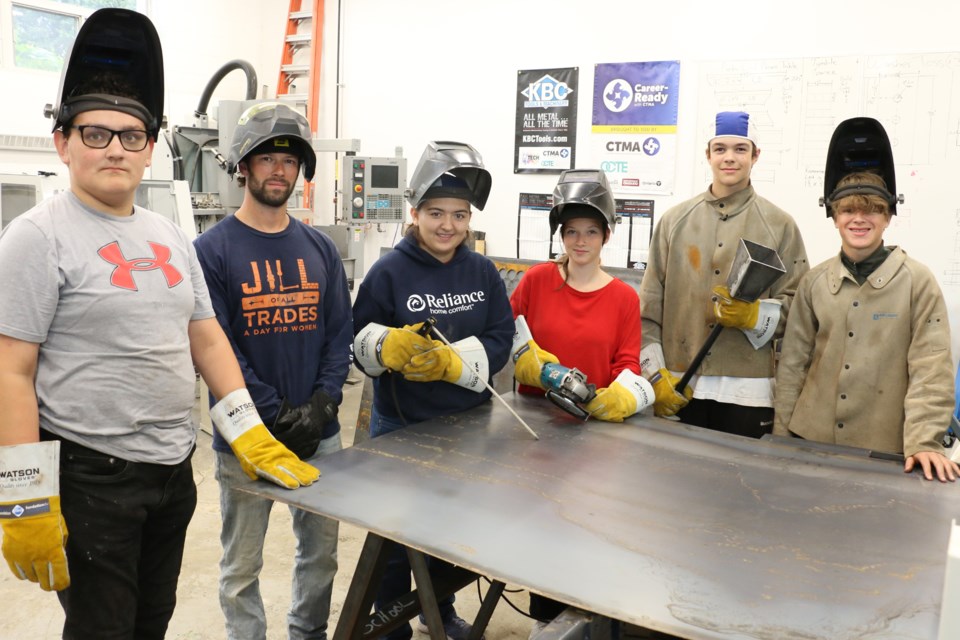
x,y
41,39
43,31
17,194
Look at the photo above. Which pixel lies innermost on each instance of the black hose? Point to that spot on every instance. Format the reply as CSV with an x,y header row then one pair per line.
x,y
219,75
396,400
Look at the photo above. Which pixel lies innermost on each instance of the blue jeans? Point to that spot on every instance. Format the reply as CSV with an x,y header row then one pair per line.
x,y
127,524
396,577
245,520
380,424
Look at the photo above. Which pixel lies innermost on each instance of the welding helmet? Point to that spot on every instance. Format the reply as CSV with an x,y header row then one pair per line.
x,y
450,170
116,45
859,144
272,127
582,193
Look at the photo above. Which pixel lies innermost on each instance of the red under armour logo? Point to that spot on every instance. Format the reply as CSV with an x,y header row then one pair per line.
x,y
122,275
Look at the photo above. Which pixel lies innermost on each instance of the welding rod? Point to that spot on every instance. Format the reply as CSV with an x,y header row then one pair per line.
x,y
433,327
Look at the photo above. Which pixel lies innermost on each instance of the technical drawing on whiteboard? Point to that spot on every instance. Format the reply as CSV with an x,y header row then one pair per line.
x,y
797,103
951,275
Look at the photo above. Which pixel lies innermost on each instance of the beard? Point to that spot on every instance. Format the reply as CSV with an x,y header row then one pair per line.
x,y
271,197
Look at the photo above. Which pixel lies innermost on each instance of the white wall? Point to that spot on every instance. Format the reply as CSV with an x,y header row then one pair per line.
x,y
434,69
200,37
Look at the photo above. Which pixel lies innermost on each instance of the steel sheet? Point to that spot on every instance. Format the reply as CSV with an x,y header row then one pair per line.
x,y
663,525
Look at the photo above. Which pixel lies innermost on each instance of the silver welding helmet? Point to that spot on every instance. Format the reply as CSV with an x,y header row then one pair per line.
x,y
114,47
272,127
450,170
859,144
582,193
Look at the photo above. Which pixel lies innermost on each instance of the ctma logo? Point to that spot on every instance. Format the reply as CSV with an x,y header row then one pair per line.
x,y
617,95
415,303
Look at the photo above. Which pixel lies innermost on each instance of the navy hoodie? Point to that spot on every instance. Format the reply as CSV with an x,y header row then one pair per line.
x,y
467,298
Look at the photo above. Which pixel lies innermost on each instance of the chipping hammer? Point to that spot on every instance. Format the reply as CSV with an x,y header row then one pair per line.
x,y
754,270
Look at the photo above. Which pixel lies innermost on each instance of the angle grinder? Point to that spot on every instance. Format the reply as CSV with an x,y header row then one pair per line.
x,y
568,388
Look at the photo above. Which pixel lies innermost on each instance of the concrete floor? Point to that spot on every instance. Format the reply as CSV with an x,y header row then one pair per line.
x,y
32,614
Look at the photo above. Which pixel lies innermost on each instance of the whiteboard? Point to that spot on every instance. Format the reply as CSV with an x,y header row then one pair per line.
x,y
798,102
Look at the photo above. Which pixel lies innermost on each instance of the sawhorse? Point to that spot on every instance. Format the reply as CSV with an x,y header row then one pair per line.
x,y
357,623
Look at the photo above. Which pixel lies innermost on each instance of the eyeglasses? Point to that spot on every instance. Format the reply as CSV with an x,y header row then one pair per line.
x,y
100,137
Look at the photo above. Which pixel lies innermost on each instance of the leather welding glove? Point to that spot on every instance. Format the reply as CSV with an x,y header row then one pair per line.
x,y
731,312
442,362
300,428
528,362
668,400
34,531
378,348
625,396
260,454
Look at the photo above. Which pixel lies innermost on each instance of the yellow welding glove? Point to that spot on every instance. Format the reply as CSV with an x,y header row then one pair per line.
x,y
612,404
625,396
731,312
668,401
439,362
463,363
259,453
528,362
400,345
377,348
34,531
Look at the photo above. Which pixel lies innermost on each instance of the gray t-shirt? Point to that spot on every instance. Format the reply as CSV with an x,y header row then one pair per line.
x,y
109,300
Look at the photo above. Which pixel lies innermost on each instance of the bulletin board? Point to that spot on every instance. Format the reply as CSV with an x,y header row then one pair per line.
x,y
797,103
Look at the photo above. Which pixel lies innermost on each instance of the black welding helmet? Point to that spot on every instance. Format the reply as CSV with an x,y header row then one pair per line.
x,y
116,44
272,127
859,144
450,170
582,193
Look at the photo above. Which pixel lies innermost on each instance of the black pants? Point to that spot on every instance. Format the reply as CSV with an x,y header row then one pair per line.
x,y
753,422
127,523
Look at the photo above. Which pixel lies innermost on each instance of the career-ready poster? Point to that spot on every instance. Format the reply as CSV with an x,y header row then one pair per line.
x,y
546,129
635,107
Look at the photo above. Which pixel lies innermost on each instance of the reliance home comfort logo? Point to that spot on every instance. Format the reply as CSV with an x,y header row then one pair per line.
x,y
445,303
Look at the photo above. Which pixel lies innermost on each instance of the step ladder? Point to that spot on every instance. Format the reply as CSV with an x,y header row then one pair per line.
x,y
299,79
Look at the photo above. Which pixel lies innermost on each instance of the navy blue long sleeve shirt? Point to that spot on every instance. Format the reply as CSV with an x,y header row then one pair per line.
x,y
283,301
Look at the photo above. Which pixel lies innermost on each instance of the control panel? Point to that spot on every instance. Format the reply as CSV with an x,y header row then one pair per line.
x,y
371,189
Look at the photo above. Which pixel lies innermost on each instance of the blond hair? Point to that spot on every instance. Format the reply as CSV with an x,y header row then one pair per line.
x,y
868,202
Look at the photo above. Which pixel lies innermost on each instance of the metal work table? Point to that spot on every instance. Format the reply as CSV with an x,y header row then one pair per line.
x,y
662,525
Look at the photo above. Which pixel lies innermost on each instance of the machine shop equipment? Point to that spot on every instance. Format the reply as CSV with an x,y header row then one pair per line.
x,y
370,189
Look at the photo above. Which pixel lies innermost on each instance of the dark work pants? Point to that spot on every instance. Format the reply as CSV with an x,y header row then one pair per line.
x,y
127,522
753,422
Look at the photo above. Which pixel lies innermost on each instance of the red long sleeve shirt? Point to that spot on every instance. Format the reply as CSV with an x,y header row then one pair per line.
x,y
597,332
